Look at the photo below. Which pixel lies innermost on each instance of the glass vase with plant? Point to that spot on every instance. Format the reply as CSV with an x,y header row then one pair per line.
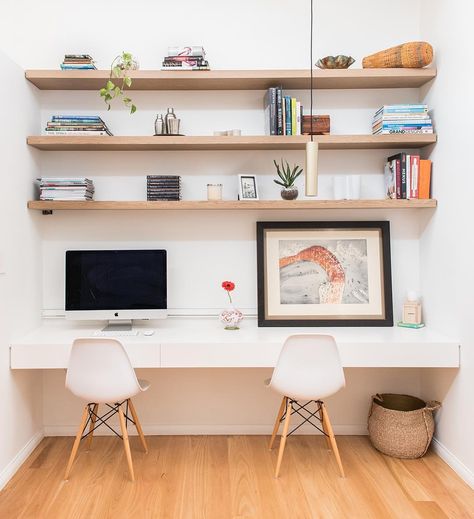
x,y
286,179
119,80
230,317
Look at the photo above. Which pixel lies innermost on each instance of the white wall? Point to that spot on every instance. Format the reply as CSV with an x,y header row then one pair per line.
x,y
247,34
20,269
446,244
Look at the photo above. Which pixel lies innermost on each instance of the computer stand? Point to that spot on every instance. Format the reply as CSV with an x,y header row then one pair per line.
x,y
120,325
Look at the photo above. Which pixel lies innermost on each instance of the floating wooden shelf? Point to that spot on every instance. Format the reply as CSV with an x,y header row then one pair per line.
x,y
235,79
253,142
231,205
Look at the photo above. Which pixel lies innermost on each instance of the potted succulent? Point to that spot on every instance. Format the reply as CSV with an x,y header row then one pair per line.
x,y
119,80
286,179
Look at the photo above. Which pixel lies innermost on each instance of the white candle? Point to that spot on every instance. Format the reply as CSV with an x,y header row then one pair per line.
x,y
214,191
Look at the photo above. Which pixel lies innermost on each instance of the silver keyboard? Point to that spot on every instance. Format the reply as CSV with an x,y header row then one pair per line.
x,y
118,333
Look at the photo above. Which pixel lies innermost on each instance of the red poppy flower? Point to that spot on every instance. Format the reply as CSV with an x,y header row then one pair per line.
x,y
228,285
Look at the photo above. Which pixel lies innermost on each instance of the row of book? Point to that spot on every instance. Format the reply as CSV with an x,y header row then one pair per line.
x,y
78,188
283,114
185,58
407,118
163,187
407,176
77,62
79,125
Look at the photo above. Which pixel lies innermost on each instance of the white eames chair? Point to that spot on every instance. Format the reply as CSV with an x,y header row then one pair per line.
x,y
100,372
309,369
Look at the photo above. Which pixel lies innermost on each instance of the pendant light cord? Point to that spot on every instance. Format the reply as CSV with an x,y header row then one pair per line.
x,y
311,70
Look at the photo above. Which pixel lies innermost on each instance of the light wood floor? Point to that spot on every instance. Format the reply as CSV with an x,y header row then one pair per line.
x,y
227,477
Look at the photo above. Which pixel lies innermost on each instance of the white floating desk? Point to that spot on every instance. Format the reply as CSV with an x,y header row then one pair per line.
x,y
203,343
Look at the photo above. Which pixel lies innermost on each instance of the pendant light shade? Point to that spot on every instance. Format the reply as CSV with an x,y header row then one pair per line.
x,y
311,169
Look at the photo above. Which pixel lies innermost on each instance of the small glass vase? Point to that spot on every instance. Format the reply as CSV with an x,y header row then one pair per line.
x,y
231,317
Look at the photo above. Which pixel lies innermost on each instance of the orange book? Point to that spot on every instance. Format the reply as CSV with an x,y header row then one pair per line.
x,y
424,179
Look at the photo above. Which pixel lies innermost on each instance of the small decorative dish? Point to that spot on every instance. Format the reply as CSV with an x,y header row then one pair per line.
x,y
339,61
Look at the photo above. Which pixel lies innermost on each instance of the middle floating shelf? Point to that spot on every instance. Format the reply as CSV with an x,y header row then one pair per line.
x,y
251,142
247,205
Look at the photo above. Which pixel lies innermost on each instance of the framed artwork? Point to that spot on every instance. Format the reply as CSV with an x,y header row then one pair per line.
x,y
248,187
324,274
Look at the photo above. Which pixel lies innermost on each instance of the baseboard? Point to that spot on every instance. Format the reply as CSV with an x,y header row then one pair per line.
x,y
7,473
455,463
152,430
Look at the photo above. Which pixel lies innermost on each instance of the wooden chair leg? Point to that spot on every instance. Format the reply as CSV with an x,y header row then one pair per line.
x,y
77,441
323,424
277,422
92,425
332,439
284,434
137,424
126,443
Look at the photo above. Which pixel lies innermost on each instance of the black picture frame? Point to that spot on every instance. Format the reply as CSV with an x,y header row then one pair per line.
x,y
386,315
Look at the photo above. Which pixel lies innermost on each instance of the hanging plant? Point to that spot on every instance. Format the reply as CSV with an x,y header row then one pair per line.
x,y
119,80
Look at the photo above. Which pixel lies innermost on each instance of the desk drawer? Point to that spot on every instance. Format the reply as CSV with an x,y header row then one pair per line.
x,y
219,355
56,356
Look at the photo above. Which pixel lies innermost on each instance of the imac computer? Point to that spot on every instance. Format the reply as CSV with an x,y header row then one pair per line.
x,y
116,285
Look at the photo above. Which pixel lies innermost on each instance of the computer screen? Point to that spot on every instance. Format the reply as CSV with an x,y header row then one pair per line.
x,y
130,284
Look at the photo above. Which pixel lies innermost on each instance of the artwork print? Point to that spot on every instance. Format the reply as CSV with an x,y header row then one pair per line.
x,y
323,271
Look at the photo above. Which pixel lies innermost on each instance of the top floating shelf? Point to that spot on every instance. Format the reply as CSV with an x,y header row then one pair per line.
x,y
235,79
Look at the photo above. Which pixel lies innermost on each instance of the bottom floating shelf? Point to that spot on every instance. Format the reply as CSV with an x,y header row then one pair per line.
x,y
230,205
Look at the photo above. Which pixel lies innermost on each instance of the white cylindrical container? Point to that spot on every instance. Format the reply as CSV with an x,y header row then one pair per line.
x,y
214,191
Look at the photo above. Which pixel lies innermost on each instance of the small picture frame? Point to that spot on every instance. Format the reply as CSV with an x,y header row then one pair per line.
x,y
248,187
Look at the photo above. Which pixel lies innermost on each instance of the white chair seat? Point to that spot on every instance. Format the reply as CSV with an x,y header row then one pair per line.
x,y
144,384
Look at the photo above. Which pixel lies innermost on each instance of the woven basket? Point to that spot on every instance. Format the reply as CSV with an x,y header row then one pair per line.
x,y
401,426
416,54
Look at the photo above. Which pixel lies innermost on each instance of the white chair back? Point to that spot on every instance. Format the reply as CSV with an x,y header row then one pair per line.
x,y
100,371
309,368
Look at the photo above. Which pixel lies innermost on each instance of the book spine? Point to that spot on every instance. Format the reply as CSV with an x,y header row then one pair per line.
x,y
288,115
424,183
195,50
400,126
279,110
293,116
402,119
77,133
408,131
415,173
270,112
75,117
403,173
283,113
77,67
298,118
408,176
398,178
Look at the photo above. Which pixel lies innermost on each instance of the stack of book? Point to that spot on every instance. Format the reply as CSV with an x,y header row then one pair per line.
x,y
163,187
79,188
185,58
79,125
410,118
407,176
77,62
283,114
